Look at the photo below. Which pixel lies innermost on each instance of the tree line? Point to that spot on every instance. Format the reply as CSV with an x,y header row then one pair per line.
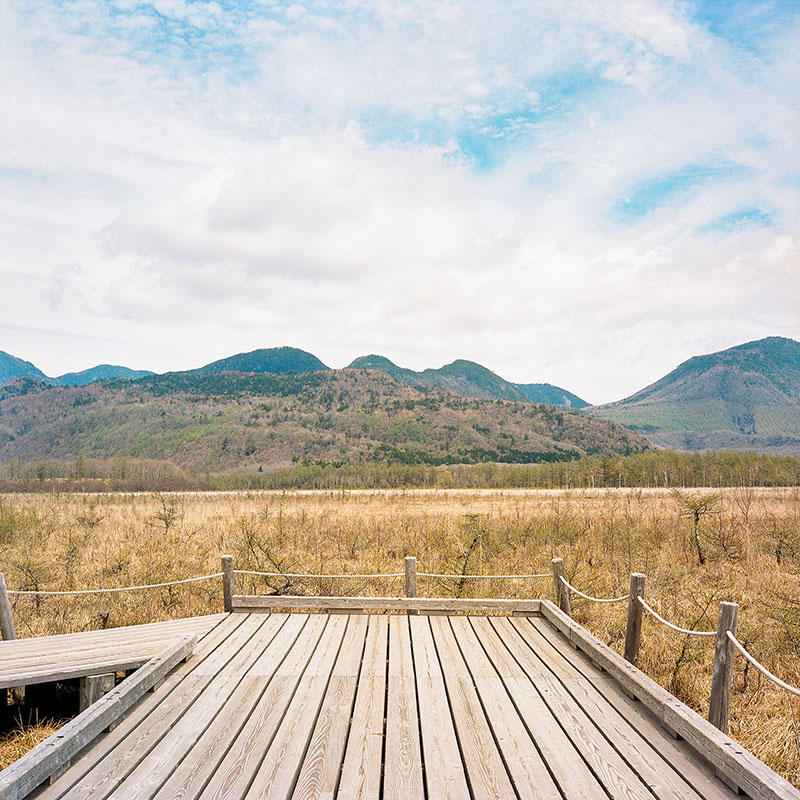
x,y
651,469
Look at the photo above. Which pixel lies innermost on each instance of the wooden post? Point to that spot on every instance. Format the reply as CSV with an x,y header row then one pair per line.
x,y
411,578
633,630
723,667
562,593
228,582
93,687
6,620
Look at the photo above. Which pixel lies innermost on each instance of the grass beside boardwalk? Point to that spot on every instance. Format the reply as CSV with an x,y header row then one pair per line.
x,y
748,541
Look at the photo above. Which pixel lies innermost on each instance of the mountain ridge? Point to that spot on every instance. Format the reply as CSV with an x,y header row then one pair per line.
x,y
231,421
744,397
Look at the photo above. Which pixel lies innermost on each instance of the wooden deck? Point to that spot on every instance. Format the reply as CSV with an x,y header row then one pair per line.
x,y
306,705
47,659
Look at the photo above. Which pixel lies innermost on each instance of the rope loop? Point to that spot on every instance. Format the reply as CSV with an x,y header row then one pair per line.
x,y
589,597
670,625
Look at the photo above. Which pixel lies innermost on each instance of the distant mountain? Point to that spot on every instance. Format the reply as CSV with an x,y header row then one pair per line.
x,y
101,372
465,378
743,398
550,395
233,421
12,368
275,360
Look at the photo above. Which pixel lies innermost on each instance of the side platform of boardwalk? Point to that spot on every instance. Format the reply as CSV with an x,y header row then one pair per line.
x,y
451,702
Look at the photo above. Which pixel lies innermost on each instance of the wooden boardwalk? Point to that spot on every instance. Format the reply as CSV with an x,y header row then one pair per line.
x,y
46,659
308,705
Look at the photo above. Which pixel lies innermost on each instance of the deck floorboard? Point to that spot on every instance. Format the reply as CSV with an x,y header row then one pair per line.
x,y
312,705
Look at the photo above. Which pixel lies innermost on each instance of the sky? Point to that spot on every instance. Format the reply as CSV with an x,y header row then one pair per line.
x,y
584,192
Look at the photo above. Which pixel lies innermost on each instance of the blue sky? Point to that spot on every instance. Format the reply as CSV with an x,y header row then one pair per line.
x,y
582,193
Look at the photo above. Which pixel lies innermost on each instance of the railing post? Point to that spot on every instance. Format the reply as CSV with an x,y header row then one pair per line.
x,y
6,620
562,593
228,582
411,578
723,667
633,630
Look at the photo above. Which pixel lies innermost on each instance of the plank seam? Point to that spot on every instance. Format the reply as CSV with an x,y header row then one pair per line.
x,y
404,620
603,733
352,709
452,715
219,673
517,709
483,709
597,777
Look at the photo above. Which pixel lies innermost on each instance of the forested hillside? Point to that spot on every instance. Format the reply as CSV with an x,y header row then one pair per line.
x,y
232,421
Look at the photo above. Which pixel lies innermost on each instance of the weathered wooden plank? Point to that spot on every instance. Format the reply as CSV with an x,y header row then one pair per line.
x,y
319,772
38,764
154,768
486,772
178,690
528,771
57,658
235,773
618,778
191,775
569,770
279,770
664,779
692,767
444,769
423,604
361,769
736,763
403,767
67,640
108,775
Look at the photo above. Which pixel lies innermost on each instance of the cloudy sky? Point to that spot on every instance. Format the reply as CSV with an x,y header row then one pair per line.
x,y
583,192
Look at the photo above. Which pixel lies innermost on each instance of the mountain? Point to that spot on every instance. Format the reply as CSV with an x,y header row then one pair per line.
x,y
550,395
276,360
102,372
465,378
743,398
12,367
231,421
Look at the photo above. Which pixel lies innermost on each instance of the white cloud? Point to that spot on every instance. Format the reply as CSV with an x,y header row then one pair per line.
x,y
424,179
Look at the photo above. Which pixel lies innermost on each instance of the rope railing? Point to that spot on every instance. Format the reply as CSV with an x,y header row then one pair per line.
x,y
589,597
314,575
760,667
448,575
677,628
112,589
456,576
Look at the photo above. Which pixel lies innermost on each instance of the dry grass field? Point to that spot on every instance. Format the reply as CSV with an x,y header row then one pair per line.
x,y
744,547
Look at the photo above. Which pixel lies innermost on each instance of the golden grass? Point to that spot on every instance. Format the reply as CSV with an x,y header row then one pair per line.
x,y
16,743
750,540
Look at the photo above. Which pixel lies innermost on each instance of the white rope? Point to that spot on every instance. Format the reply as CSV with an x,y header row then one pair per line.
x,y
674,627
593,599
313,575
477,577
117,588
760,667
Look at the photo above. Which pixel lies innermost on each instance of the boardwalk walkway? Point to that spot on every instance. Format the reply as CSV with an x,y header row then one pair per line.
x,y
45,659
295,705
